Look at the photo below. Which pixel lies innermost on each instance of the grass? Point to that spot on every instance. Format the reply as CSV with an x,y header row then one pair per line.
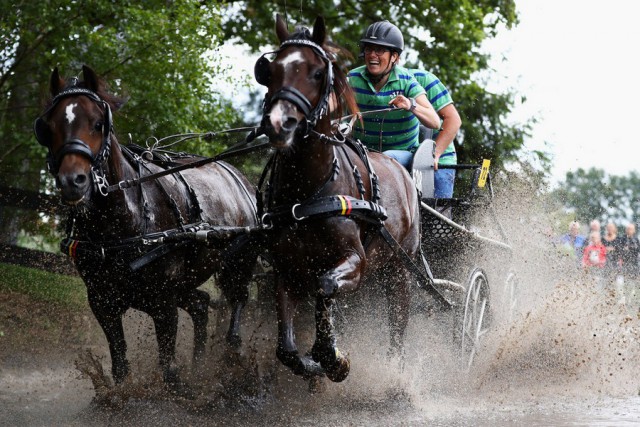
x,y
39,285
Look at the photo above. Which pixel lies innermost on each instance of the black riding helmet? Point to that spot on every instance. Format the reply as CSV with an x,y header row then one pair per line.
x,y
383,33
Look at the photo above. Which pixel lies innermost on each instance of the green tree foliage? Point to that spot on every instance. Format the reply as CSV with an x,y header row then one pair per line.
x,y
156,53
593,194
443,36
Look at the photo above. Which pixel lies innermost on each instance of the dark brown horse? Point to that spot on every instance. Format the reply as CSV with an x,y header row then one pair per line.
x,y
117,237
325,202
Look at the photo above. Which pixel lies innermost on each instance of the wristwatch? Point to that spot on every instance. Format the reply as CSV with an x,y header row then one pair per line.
x,y
413,104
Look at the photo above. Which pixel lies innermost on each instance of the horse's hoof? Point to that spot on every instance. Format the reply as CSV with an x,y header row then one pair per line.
x,y
234,341
119,373
310,368
171,376
328,287
338,370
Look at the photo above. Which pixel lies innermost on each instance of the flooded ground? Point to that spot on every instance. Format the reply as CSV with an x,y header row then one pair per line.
x,y
570,355
572,360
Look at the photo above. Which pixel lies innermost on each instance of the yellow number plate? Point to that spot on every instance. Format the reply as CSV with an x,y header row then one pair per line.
x,y
484,173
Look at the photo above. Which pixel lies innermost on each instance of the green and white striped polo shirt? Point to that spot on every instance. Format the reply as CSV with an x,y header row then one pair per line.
x,y
393,130
439,97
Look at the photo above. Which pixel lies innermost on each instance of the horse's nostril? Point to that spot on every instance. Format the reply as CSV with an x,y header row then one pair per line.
x,y
289,124
80,180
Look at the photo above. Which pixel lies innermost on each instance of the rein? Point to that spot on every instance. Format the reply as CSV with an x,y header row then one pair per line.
x,y
98,161
230,152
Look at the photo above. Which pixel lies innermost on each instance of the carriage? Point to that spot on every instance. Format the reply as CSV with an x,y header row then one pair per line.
x,y
466,252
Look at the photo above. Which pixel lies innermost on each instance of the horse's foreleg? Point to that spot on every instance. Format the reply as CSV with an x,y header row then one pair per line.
x,y
110,319
165,319
344,277
234,282
196,303
287,351
324,351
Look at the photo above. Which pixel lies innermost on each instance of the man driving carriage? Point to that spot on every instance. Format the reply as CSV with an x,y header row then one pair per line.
x,y
382,82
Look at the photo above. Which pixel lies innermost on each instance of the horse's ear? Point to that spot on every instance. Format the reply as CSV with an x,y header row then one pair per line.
x,y
281,28
56,83
319,31
91,80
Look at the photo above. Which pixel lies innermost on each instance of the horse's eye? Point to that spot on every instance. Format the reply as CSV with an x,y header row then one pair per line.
x,y
318,75
98,126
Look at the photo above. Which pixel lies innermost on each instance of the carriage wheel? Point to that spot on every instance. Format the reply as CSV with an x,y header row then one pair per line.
x,y
475,320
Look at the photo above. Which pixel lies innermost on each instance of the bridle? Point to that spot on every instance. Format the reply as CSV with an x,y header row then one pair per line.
x,y
74,145
293,95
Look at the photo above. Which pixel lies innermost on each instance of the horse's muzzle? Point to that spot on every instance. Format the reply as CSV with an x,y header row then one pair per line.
x,y
281,123
75,186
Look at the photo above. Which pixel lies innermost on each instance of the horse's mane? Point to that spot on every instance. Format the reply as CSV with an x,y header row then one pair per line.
x,y
341,87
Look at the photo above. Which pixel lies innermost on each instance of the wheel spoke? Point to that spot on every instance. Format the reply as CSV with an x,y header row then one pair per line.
x,y
474,320
479,330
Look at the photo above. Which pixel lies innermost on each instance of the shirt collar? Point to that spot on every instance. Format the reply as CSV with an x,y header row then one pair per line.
x,y
393,75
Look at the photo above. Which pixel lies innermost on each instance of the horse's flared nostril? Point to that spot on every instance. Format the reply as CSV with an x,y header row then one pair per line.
x,y
80,180
289,124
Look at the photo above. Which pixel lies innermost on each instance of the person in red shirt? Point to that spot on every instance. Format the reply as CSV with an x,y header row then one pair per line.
x,y
595,254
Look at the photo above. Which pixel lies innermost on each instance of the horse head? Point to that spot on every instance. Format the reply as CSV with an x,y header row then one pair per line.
x,y
76,128
299,81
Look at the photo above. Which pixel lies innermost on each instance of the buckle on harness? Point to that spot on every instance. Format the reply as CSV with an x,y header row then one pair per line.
x,y
267,224
100,182
293,213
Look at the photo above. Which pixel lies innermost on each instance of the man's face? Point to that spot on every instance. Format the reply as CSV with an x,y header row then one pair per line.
x,y
377,58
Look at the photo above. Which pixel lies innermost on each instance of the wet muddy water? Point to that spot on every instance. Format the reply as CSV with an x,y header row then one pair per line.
x,y
569,356
573,359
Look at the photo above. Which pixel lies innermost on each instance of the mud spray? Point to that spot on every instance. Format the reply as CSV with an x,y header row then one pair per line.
x,y
571,344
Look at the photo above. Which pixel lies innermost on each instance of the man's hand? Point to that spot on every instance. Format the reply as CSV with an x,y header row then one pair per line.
x,y
436,159
401,101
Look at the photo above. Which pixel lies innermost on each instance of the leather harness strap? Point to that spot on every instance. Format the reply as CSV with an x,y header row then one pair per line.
x,y
324,207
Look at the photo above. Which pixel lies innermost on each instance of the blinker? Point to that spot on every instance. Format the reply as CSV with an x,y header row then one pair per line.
x,y
42,132
261,71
